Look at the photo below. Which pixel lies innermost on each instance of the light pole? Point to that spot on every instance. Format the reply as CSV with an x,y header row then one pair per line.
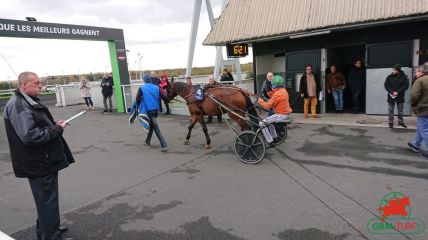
x,y
47,79
127,63
63,77
140,65
92,73
8,80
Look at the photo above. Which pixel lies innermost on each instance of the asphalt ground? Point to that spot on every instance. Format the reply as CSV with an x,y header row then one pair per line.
x,y
325,182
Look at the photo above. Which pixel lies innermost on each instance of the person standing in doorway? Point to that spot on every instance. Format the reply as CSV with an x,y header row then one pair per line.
x,y
396,84
85,92
356,82
267,90
107,91
309,89
267,86
335,84
38,151
419,103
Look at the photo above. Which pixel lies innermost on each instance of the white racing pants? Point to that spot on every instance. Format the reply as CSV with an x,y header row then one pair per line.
x,y
269,132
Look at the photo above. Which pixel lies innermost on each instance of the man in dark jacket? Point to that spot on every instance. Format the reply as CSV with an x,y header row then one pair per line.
x,y
356,82
226,77
38,151
155,80
267,86
335,84
419,102
396,84
309,90
150,94
107,91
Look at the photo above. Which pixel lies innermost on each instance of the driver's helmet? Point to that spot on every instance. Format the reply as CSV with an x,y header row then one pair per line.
x,y
277,81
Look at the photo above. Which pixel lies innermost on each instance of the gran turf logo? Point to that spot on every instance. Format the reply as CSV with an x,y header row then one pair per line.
x,y
395,216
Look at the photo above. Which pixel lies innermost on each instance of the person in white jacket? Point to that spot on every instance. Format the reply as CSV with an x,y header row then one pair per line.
x,y
85,92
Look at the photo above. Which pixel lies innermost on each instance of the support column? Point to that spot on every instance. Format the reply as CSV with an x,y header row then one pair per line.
x,y
416,48
193,33
323,66
120,74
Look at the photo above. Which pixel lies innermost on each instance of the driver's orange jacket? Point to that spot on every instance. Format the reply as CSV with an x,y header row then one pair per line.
x,y
279,102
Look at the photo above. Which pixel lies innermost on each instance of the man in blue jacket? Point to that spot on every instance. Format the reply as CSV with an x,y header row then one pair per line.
x,y
38,151
150,96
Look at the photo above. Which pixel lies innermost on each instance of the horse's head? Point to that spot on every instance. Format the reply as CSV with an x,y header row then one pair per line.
x,y
171,91
178,88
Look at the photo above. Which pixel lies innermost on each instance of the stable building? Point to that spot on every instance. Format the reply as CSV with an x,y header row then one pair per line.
x,y
288,35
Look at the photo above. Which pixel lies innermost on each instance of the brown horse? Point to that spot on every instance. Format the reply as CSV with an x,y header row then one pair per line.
x,y
233,97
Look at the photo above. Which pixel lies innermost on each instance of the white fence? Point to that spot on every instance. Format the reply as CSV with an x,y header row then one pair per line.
x,y
179,108
67,95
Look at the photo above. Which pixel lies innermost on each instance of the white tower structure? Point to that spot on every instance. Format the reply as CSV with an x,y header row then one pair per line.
x,y
219,61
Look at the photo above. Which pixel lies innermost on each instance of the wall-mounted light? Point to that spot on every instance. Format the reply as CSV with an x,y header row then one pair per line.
x,y
309,34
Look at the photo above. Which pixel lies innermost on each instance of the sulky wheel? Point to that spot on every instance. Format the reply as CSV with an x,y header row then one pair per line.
x,y
281,131
249,147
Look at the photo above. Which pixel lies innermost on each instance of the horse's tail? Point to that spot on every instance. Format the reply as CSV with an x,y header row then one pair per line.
x,y
251,110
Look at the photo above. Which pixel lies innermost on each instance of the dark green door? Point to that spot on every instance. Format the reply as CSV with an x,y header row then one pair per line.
x,y
295,64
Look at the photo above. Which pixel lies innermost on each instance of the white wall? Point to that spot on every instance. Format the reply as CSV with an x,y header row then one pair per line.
x,y
376,95
278,64
264,64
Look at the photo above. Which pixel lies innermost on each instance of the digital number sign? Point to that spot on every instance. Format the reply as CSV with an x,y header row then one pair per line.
x,y
237,50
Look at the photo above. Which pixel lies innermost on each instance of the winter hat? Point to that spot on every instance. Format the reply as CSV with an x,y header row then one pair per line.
x,y
147,78
397,67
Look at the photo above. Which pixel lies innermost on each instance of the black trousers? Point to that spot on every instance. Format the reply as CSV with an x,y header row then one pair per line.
x,y
166,105
45,193
356,101
400,107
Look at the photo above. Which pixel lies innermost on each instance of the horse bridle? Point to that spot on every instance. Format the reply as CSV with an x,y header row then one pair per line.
x,y
185,97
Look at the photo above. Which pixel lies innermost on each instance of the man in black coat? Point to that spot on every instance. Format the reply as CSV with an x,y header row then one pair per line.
x,y
226,77
356,82
309,90
396,84
38,151
107,91
267,85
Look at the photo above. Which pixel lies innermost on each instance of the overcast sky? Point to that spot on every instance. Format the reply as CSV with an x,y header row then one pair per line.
x,y
159,30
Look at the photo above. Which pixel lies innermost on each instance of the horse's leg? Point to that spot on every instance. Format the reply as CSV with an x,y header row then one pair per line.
x,y
205,129
194,120
239,121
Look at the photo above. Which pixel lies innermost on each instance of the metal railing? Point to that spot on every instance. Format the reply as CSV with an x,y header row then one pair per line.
x,y
247,84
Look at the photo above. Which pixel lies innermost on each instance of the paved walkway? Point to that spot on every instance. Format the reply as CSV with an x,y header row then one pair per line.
x,y
358,120
325,183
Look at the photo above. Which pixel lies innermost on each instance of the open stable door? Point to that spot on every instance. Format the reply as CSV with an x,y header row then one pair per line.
x,y
295,64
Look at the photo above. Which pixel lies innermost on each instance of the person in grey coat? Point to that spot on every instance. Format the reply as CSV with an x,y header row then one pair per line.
x,y
38,151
